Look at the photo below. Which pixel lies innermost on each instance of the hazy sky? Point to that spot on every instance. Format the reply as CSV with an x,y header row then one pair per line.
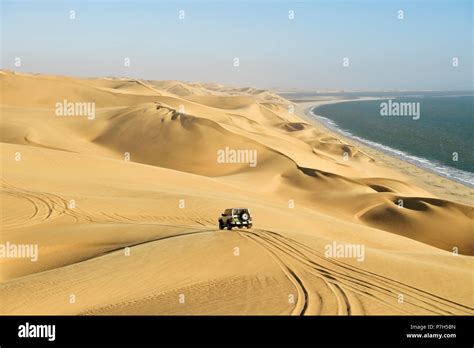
x,y
307,52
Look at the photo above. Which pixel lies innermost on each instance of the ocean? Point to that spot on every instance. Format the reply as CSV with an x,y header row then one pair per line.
x,y
432,132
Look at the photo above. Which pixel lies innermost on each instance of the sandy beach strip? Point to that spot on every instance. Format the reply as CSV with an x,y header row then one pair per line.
x,y
439,185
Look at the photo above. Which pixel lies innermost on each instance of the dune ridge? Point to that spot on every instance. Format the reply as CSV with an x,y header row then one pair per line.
x,y
86,189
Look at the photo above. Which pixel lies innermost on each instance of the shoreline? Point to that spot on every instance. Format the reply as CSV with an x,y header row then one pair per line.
x,y
430,181
432,166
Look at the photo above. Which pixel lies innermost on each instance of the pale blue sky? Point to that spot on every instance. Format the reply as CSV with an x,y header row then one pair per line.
x,y
307,52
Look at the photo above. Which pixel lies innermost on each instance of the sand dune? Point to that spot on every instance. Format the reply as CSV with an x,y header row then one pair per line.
x,y
103,199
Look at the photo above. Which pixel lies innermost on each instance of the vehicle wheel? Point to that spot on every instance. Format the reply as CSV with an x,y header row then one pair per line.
x,y
244,216
229,227
249,226
221,226
240,226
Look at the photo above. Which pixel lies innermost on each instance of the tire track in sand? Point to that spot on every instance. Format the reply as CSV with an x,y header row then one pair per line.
x,y
341,277
302,302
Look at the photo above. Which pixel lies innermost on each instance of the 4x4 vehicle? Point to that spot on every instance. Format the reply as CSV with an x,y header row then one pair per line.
x,y
235,217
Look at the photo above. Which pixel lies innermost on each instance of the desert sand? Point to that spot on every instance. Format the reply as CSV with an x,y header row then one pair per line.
x,y
124,207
